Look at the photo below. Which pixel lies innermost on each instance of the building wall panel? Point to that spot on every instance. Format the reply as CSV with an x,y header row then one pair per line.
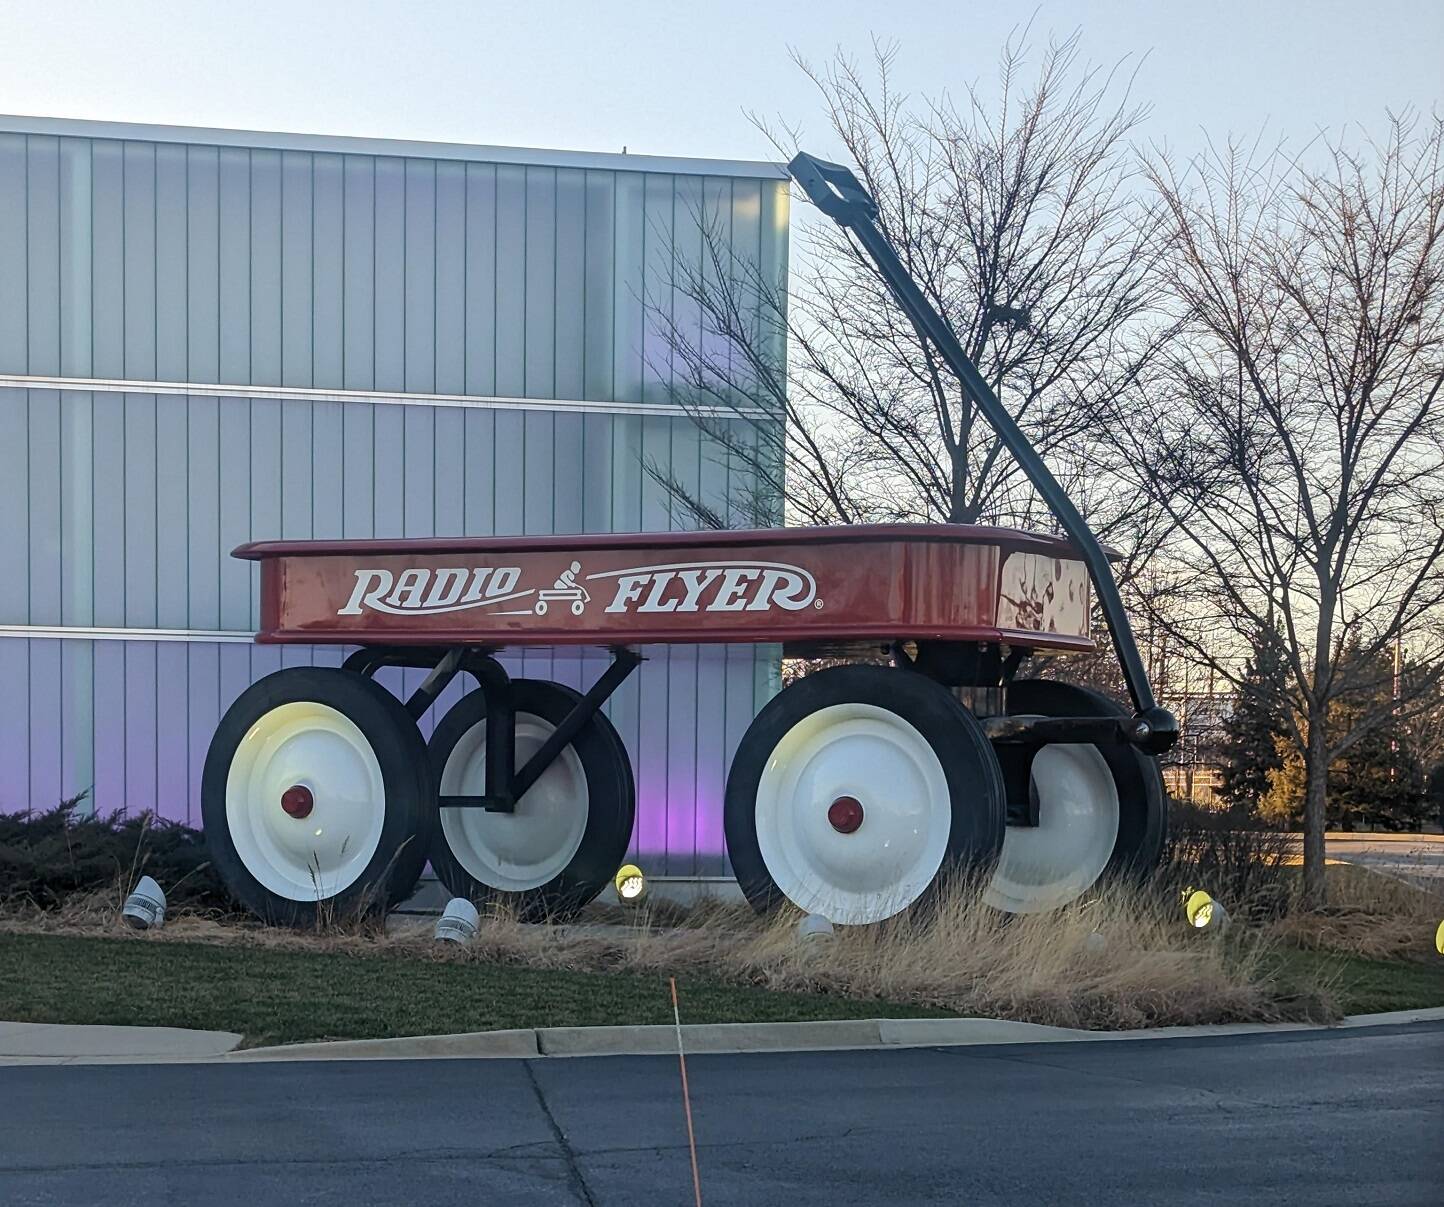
x,y
172,254
42,274
328,276
156,260
47,710
137,259
298,259
419,250
203,291
76,490
75,254
162,261
107,263
43,503
107,549
173,520
138,498
14,208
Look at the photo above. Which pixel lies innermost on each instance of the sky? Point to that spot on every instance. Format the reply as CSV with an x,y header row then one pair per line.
x,y
677,78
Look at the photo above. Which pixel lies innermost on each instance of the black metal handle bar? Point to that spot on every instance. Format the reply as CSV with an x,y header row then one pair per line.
x,y
838,194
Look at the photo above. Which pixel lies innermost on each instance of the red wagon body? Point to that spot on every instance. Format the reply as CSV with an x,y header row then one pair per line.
x,y
805,586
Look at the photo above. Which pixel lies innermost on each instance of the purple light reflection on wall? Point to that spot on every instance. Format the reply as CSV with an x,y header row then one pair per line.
x,y
137,735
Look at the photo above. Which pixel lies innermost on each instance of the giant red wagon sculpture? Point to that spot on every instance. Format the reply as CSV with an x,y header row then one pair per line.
x,y
851,794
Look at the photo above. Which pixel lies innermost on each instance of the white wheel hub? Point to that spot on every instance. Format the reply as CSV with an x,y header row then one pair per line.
x,y
853,814
1046,866
305,801
525,849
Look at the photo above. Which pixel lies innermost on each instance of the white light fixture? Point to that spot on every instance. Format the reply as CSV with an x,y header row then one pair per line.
x,y
630,884
144,909
1204,913
815,927
457,923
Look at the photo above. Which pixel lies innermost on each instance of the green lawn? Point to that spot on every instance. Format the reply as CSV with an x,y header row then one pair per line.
x,y
288,996
274,996
1370,986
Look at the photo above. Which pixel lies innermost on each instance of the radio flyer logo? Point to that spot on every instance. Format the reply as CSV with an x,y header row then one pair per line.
x,y
682,587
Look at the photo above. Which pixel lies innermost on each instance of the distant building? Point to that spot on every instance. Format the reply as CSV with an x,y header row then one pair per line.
x,y
1192,770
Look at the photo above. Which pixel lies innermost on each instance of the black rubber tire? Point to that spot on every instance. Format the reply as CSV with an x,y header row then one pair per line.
x,y
611,806
393,871
1142,805
975,781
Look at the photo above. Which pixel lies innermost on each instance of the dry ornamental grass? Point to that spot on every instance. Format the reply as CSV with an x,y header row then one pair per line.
x,y
1121,958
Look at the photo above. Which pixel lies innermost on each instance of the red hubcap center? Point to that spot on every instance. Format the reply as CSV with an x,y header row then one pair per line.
x,y
845,814
298,801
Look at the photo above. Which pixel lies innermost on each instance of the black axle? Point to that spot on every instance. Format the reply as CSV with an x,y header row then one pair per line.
x,y
1043,731
1016,740
505,785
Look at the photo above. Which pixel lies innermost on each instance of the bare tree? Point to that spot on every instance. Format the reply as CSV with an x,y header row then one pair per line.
x,y
1295,436
1017,215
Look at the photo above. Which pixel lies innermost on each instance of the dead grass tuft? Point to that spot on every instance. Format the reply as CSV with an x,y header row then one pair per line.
x,y
1369,914
1145,968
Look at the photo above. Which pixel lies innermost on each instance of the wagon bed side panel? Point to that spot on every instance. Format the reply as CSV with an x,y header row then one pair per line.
x,y
630,591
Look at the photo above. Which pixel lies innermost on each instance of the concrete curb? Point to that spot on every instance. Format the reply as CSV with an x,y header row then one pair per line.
x,y
22,1043
510,1045
704,1038
56,1043
709,1037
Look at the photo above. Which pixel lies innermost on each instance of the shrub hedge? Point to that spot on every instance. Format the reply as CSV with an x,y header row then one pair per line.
x,y
1237,855
46,857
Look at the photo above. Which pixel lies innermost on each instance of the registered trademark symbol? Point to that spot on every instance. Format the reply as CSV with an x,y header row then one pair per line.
x,y
817,603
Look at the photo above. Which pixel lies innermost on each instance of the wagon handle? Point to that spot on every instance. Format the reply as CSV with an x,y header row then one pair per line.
x,y
837,193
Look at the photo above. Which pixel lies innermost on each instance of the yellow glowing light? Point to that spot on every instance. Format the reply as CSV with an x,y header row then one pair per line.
x,y
631,885
1439,939
1202,910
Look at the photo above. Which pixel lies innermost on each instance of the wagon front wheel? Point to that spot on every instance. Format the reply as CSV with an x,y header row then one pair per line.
x,y
317,796
855,789
566,836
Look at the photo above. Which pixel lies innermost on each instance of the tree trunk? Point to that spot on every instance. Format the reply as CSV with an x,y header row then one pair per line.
x,y
1316,783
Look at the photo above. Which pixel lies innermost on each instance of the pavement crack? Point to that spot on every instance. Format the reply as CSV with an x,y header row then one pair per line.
x,y
579,1183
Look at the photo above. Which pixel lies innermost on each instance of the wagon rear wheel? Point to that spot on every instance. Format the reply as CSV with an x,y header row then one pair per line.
x,y
854,788
568,834
317,797
1100,808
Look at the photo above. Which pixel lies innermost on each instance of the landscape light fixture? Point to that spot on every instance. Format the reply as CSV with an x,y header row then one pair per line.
x,y
814,927
1203,912
630,884
144,909
1439,939
457,923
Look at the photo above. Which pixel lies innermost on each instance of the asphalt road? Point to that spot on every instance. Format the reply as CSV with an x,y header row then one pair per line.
x,y
1414,857
1347,1117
